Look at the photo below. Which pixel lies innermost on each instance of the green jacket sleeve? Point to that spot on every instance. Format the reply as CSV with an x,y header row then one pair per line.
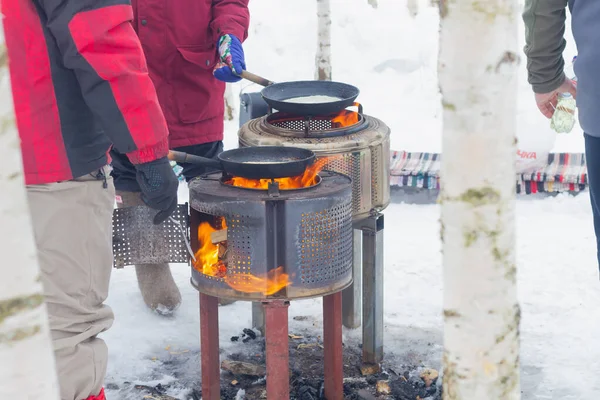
x,y
545,43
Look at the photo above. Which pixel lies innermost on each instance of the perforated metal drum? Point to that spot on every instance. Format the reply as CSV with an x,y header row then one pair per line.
x,y
284,244
362,151
137,241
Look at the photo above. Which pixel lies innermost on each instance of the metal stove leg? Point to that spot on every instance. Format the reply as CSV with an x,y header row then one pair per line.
x,y
209,347
278,356
352,295
258,317
373,289
332,343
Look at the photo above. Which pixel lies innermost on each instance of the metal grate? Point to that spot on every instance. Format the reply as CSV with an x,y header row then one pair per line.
x,y
380,176
325,244
239,245
300,124
137,241
375,167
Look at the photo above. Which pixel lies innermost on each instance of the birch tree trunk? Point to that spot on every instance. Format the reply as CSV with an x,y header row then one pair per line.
x,y
323,58
478,78
229,103
413,7
27,369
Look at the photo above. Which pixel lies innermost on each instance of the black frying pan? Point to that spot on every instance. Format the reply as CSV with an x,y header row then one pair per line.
x,y
268,162
280,96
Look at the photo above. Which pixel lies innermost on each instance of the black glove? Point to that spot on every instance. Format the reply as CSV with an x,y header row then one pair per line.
x,y
159,187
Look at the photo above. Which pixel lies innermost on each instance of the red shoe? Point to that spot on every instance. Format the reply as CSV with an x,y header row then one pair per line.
x,y
100,396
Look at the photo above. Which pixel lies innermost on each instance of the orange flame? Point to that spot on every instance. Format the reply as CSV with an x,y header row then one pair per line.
x,y
275,280
344,119
309,178
209,262
207,256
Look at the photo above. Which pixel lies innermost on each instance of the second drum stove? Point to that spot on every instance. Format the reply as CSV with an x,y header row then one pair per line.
x,y
257,241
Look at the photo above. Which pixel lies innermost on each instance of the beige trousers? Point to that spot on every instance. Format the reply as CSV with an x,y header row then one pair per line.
x,y
72,223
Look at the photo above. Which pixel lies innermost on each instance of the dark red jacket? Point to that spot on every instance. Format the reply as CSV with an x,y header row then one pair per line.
x,y
80,82
179,39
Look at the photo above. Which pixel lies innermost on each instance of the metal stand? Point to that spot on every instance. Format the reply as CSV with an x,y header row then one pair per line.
x,y
368,267
365,295
209,347
373,290
258,317
352,295
276,343
333,350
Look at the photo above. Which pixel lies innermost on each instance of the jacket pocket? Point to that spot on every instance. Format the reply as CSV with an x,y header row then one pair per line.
x,y
197,94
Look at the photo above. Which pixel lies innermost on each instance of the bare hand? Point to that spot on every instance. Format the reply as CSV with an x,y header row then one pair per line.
x,y
546,102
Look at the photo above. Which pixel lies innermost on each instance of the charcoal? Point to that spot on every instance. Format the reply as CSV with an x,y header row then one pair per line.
x,y
431,390
307,393
250,333
416,382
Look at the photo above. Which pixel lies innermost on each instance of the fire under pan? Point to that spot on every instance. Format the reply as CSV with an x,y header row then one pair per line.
x,y
303,233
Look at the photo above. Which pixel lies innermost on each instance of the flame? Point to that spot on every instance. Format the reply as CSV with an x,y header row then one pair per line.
x,y
207,256
309,178
275,280
344,119
209,263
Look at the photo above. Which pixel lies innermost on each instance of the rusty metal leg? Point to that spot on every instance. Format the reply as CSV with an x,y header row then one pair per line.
x,y
258,317
373,289
332,343
352,295
278,356
209,347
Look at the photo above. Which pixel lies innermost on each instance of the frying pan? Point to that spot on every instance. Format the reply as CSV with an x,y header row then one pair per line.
x,y
280,95
267,162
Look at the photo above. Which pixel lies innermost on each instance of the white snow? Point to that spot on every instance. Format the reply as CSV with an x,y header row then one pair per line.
x,y
392,57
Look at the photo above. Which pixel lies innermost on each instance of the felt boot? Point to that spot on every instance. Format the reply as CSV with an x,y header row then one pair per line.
x,y
159,291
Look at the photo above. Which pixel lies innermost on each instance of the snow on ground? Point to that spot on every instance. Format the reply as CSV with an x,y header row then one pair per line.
x,y
391,57
558,289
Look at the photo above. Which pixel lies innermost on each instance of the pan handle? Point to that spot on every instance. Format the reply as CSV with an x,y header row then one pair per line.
x,y
182,157
259,80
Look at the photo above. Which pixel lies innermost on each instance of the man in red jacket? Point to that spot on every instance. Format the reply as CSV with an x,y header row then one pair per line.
x,y
80,84
192,50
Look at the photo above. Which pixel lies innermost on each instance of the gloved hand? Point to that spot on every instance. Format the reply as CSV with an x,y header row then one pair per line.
x,y
231,59
159,186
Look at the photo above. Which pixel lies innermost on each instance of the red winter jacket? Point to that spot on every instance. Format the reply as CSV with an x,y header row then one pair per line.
x,y
80,82
179,39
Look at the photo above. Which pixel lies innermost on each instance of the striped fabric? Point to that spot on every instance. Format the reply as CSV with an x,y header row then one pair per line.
x,y
564,172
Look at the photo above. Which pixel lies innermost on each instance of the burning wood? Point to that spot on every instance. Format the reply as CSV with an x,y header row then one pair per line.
x,y
219,236
211,260
210,257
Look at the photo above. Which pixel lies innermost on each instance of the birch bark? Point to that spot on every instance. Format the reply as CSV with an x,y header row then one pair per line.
x,y
27,367
323,58
478,78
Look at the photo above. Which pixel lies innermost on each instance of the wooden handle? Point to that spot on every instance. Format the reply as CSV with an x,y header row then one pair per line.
x,y
259,80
